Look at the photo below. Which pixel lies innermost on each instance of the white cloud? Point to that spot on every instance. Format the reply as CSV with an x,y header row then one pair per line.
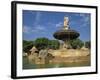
x,y
37,18
38,15
85,17
37,28
60,24
26,29
85,20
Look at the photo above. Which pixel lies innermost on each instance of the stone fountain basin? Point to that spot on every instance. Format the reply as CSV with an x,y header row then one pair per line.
x,y
70,52
67,56
66,34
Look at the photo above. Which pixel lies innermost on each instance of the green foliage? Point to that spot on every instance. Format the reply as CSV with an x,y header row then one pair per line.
x,y
41,43
88,44
53,44
27,45
76,43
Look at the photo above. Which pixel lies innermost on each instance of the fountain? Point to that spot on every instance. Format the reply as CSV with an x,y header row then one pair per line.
x,y
66,34
61,57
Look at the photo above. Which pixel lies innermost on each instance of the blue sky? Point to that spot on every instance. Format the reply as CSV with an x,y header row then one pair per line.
x,y
43,24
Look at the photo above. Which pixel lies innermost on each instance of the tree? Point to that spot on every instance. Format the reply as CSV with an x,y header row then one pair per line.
x,y
54,44
76,43
41,43
88,44
27,45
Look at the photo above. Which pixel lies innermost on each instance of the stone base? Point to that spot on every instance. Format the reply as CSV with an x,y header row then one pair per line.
x,y
71,59
63,56
70,52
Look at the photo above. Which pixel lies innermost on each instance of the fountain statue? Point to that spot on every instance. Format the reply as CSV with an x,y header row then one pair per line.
x,y
66,34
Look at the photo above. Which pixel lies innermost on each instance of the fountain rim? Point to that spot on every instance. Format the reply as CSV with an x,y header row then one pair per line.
x,y
66,34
